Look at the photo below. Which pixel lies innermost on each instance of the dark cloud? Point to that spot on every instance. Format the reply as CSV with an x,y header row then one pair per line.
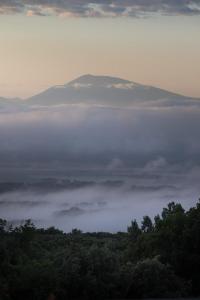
x,y
102,8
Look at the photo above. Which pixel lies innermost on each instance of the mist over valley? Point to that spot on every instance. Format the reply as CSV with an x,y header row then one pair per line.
x,y
97,153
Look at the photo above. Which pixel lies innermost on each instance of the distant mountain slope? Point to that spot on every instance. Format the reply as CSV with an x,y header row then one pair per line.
x,y
10,104
105,90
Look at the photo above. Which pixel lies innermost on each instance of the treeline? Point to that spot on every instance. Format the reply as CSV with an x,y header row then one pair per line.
x,y
159,259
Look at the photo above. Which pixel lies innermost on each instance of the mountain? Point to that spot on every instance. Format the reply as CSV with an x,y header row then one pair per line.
x,y
10,104
110,91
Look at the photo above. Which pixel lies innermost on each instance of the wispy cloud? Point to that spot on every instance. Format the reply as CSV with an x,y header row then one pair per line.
x,y
102,8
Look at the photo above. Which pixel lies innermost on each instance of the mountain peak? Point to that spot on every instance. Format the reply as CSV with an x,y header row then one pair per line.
x,y
94,80
108,91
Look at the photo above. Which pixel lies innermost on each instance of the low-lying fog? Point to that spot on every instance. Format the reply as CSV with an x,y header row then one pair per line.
x,y
99,207
151,139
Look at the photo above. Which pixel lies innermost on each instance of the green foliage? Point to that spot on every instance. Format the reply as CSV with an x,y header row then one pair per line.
x,y
147,225
160,259
3,224
152,279
134,231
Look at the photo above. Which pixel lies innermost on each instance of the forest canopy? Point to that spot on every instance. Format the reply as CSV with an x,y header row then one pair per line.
x,y
158,258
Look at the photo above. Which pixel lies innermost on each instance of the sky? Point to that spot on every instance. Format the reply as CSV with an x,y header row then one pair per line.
x,y
45,43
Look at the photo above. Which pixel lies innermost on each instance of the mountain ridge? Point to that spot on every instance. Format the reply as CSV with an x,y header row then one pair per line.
x,y
105,90
100,79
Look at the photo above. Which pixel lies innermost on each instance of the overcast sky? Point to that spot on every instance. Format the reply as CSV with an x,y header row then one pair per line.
x,y
43,43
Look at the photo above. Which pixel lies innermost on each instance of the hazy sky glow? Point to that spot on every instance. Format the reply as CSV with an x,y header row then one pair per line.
x,y
37,52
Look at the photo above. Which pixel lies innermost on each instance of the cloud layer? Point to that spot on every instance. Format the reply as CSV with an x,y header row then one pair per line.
x,y
102,8
91,136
